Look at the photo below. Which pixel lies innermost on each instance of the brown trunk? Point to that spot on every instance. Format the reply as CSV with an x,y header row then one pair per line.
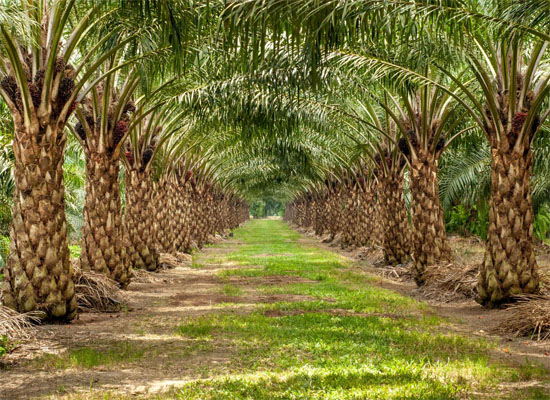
x,y
335,207
38,274
162,224
194,207
200,225
172,223
188,213
430,244
394,222
180,218
103,247
349,217
368,217
509,267
137,221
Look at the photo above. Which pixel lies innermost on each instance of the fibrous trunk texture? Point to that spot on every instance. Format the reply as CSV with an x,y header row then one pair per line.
x,y
374,214
509,266
163,218
396,230
430,244
185,233
180,218
139,236
103,247
365,216
38,274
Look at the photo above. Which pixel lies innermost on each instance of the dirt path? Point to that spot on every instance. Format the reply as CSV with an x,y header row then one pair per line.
x,y
156,357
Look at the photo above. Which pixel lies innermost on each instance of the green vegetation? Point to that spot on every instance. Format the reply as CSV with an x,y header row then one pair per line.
x,y
325,331
347,339
91,356
75,251
4,250
266,208
144,129
231,290
4,345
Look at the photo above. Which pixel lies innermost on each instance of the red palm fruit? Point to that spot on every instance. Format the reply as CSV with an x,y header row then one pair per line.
x,y
9,85
518,121
130,157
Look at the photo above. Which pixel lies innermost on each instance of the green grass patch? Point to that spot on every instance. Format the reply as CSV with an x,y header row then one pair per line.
x,y
198,328
91,356
231,290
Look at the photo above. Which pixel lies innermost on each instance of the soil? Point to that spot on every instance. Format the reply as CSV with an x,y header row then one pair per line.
x,y
157,302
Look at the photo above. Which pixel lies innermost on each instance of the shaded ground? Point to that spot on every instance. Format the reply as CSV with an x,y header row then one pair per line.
x,y
269,314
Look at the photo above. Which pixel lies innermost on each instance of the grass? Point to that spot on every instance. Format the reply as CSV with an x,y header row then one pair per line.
x,y
352,340
196,328
89,357
331,334
231,290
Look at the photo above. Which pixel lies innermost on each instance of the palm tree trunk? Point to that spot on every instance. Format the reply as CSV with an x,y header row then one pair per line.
x,y
201,219
188,213
333,214
38,274
509,266
349,218
137,221
162,224
172,224
394,222
179,217
103,247
367,216
430,244
194,208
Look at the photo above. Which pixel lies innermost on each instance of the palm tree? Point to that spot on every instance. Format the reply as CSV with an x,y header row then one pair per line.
x,y
389,163
424,117
141,148
514,91
40,86
514,86
104,116
38,42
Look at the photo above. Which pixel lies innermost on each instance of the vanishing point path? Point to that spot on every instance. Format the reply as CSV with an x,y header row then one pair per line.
x,y
268,314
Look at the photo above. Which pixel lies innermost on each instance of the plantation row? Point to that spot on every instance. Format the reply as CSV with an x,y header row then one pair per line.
x,y
63,73
176,214
370,211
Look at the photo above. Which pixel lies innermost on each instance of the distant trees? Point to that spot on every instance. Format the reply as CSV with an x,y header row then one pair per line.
x,y
266,208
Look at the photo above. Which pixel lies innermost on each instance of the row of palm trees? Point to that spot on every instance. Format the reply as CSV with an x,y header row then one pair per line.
x,y
209,103
414,78
84,67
